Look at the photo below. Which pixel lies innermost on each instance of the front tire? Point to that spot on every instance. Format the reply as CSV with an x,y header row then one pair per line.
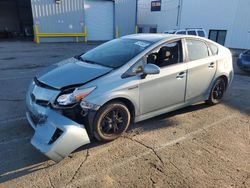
x,y
111,121
217,92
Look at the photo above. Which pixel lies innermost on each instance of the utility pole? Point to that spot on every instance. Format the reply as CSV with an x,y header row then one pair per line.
x,y
178,21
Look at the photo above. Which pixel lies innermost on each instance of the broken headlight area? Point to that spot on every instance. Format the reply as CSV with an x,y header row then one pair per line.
x,y
89,106
76,96
71,104
81,113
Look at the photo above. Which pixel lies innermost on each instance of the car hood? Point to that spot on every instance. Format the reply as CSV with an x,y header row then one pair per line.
x,y
71,72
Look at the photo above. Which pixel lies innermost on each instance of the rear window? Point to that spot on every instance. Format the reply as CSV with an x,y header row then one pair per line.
x,y
201,33
192,33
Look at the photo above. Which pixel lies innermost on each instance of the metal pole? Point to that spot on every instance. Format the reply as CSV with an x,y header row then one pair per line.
x,y
178,22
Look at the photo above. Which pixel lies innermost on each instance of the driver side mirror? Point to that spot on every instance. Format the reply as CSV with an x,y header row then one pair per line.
x,y
151,69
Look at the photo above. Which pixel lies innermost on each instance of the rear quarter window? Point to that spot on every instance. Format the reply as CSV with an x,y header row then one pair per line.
x,y
214,49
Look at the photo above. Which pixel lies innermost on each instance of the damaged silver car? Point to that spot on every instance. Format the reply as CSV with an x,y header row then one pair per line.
x,y
100,93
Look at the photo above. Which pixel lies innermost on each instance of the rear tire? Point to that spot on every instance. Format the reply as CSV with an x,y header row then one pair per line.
x,y
111,121
217,92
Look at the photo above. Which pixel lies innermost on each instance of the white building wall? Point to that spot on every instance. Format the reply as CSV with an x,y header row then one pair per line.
x,y
239,35
208,14
165,19
230,15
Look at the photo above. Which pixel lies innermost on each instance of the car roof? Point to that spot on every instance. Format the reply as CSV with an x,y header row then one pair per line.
x,y
153,37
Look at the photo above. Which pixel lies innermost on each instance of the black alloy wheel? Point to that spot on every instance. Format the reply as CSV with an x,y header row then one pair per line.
x,y
217,92
111,121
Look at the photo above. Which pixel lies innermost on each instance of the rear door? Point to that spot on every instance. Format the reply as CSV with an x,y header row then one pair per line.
x,y
201,68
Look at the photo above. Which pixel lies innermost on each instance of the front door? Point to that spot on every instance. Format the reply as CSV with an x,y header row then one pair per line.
x,y
167,88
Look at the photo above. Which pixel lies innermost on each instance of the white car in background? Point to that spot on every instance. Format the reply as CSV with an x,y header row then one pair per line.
x,y
194,31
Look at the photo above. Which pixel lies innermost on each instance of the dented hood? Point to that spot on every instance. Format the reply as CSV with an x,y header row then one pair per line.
x,y
71,72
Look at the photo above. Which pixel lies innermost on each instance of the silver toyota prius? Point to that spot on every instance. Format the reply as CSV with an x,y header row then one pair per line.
x,y
98,94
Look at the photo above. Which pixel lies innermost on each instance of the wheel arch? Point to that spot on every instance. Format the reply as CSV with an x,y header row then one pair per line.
x,y
225,78
127,102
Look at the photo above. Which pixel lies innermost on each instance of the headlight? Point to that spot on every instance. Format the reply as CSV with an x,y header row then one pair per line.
x,y
76,96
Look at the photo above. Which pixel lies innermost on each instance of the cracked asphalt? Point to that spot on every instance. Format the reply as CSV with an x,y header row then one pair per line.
x,y
199,146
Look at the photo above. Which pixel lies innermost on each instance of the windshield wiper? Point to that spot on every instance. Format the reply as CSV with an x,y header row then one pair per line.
x,y
79,57
89,61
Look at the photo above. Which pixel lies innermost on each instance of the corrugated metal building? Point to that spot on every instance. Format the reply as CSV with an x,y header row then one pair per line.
x,y
226,21
67,20
101,19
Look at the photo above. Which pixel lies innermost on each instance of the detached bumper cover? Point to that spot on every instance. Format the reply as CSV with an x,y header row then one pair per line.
x,y
47,123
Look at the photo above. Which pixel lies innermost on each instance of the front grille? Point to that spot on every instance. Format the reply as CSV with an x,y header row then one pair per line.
x,y
38,101
42,102
42,94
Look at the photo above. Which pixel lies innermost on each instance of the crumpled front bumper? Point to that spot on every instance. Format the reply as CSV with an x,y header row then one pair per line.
x,y
55,135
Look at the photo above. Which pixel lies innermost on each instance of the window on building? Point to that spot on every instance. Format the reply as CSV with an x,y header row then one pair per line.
x,y
218,36
152,30
156,5
140,30
196,50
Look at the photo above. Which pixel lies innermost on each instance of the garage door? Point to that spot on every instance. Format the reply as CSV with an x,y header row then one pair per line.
x,y
99,19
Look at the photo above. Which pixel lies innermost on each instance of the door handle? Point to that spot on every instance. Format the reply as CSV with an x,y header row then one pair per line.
x,y
211,65
181,75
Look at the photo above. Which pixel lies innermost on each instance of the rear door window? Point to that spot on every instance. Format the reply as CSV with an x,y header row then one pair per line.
x,y
196,50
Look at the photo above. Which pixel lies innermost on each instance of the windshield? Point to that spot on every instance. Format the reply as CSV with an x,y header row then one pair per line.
x,y
115,53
